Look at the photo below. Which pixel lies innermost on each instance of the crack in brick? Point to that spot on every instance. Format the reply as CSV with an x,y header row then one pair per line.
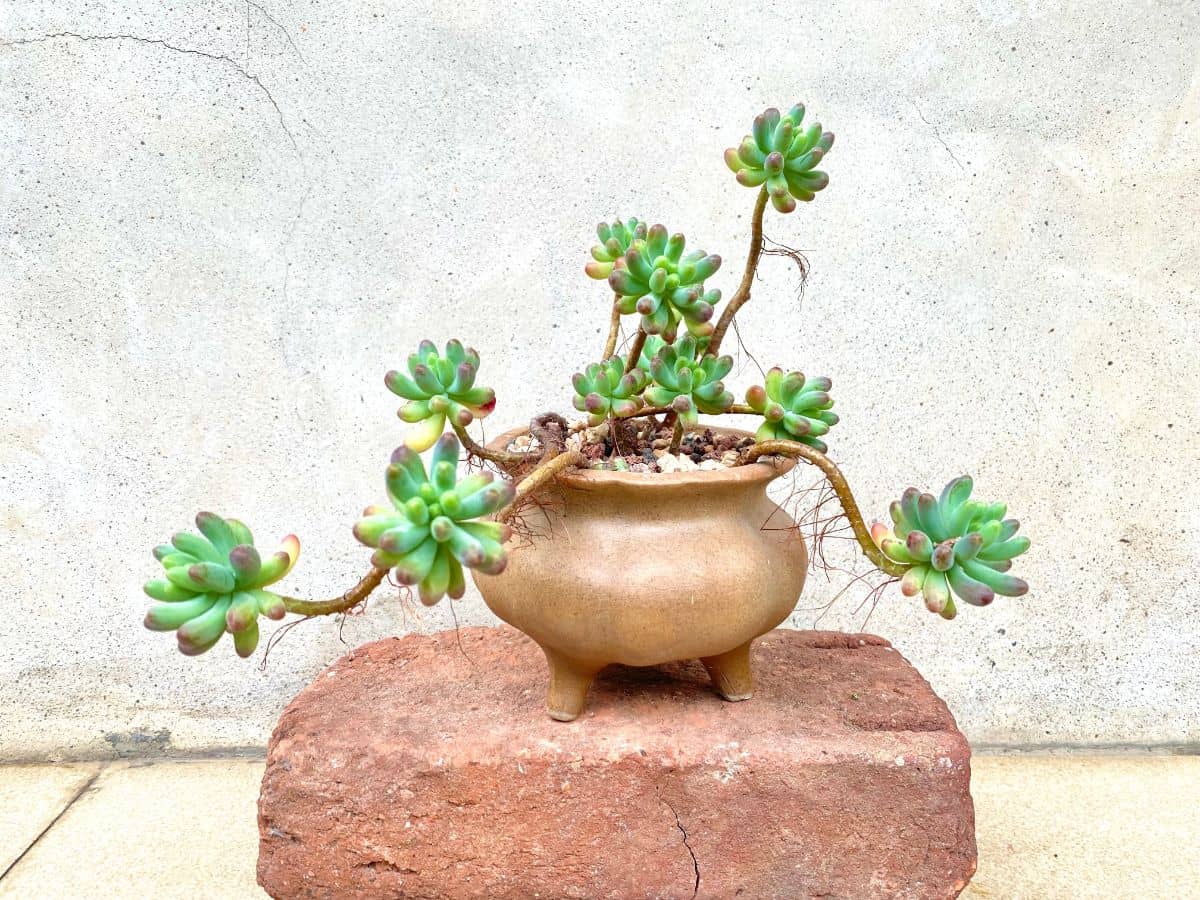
x,y
241,70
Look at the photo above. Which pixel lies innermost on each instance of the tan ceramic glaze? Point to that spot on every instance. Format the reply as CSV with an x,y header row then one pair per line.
x,y
642,569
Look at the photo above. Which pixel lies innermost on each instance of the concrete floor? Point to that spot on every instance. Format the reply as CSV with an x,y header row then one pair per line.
x,y
1048,827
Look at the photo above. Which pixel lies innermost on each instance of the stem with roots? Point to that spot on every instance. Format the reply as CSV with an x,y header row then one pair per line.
x,y
742,294
635,352
503,458
614,328
348,600
547,470
837,481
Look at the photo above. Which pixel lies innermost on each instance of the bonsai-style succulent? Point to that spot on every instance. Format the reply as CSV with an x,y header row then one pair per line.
x,y
215,583
438,387
688,385
794,408
663,379
655,278
615,241
952,544
604,390
781,155
429,535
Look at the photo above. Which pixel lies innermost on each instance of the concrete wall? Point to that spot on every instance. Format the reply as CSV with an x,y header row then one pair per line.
x,y
220,223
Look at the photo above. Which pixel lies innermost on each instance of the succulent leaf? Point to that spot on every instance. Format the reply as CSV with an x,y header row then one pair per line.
x,y
794,408
954,545
665,285
428,535
780,154
438,388
603,390
688,385
214,583
615,241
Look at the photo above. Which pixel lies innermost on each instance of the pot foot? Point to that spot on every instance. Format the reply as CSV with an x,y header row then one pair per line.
x,y
730,673
569,683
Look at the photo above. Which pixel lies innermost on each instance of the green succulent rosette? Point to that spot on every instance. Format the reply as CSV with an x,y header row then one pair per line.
x,y
953,545
657,279
615,241
794,408
215,583
429,534
688,385
437,387
655,343
604,390
781,154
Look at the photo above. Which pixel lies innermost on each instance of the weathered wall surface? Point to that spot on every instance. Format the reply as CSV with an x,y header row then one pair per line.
x,y
220,223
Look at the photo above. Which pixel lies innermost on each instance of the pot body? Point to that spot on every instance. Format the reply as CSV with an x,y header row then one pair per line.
x,y
641,569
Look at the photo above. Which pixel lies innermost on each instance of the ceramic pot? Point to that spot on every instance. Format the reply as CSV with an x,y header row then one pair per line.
x,y
643,569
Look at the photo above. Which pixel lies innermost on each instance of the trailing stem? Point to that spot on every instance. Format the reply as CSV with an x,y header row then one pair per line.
x,y
503,458
614,329
635,352
742,294
837,481
548,469
348,600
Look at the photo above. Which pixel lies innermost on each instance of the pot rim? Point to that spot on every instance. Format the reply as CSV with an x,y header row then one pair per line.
x,y
763,469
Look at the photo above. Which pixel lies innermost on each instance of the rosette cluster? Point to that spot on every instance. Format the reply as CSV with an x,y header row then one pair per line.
x,y
437,387
214,583
688,385
794,408
953,544
603,390
428,535
657,279
781,154
615,241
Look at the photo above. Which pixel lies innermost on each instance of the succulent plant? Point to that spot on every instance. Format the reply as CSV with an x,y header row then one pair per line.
x,y
428,536
215,583
686,384
615,241
657,279
952,543
654,343
604,389
437,387
794,408
781,155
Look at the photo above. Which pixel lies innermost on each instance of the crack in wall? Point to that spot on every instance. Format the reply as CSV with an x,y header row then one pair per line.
x,y
287,34
241,70
937,134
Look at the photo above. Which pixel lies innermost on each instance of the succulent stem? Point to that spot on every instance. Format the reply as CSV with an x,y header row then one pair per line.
x,y
743,291
676,437
547,470
503,458
635,352
837,480
614,328
348,600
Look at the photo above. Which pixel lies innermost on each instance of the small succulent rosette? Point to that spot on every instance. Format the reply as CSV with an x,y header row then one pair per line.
x,y
215,583
429,534
604,390
615,241
437,387
688,385
665,285
953,545
794,408
781,154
